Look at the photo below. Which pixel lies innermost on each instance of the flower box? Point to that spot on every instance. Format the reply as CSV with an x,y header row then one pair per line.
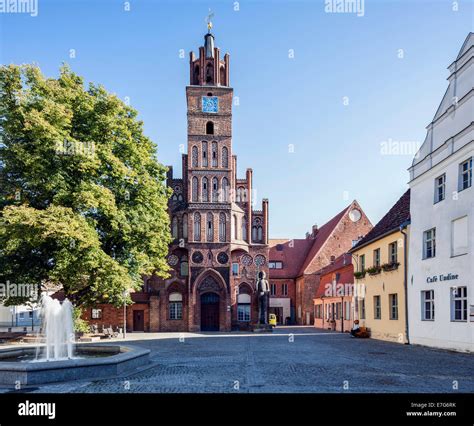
x,y
359,275
374,270
390,266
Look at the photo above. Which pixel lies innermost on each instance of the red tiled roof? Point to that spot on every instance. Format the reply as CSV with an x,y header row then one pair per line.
x,y
321,236
340,262
397,215
292,255
296,255
343,264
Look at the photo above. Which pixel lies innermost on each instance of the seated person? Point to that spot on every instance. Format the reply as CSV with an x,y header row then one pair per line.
x,y
355,329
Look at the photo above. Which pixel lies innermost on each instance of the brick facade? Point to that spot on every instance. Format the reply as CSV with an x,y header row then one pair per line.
x,y
333,304
213,220
303,259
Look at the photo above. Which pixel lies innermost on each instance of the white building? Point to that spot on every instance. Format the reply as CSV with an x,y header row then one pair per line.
x,y
441,255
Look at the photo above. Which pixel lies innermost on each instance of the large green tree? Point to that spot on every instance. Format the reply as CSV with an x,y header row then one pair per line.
x,y
83,200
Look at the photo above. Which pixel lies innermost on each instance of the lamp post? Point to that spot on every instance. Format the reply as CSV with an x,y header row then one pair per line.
x,y
125,295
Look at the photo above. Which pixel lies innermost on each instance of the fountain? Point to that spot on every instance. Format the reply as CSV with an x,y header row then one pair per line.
x,y
58,326
60,358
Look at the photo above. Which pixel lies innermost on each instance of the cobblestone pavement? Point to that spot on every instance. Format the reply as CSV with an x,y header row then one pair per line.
x,y
293,359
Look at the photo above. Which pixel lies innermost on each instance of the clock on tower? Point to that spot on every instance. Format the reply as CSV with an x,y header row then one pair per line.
x,y
210,104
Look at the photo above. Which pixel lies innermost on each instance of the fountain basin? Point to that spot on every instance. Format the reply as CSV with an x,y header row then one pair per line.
x,y
99,361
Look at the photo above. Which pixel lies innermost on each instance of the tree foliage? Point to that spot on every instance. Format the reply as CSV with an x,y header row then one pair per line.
x,y
83,200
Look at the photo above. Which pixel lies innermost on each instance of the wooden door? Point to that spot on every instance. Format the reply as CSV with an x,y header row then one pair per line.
x,y
138,320
210,312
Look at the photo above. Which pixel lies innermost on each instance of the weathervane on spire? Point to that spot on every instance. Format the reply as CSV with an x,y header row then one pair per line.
x,y
208,20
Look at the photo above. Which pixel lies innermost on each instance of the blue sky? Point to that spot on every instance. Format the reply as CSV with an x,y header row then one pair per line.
x,y
347,89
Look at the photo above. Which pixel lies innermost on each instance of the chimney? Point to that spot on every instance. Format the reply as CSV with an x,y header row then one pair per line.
x,y
314,230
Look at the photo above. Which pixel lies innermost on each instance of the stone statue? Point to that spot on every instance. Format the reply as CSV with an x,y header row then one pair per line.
x,y
263,292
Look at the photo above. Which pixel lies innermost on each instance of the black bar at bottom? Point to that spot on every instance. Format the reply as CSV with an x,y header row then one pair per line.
x,y
238,409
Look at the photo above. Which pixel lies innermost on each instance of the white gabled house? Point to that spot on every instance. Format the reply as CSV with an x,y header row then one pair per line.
x,y
441,255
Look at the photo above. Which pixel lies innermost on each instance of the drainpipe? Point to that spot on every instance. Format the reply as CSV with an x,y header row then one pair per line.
x,y
342,314
403,226
324,312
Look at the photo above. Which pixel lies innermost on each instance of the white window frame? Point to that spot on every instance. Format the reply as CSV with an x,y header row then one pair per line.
x,y
459,295
273,289
377,257
467,173
362,263
427,299
362,309
431,240
275,264
440,188
175,301
377,307
243,312
393,306
393,252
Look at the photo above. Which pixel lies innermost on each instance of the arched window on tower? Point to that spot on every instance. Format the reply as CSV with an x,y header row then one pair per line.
x,y
205,189
195,157
241,194
257,230
225,189
215,190
196,74
209,74
195,196
197,227
204,154
244,229
236,227
222,76
214,154
185,226
184,266
210,227
225,157
209,128
222,227
254,233
174,227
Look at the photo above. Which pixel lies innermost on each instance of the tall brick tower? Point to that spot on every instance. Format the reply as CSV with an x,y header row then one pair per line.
x,y
220,242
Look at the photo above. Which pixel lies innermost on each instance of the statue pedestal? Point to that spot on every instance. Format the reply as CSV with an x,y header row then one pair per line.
x,y
262,328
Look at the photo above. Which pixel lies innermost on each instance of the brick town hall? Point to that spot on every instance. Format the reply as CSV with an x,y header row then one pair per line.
x,y
220,243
